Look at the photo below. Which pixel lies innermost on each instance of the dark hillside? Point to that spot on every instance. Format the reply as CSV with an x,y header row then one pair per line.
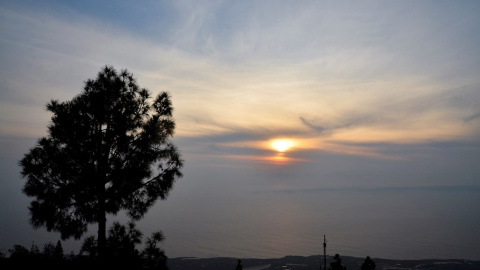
x,y
314,262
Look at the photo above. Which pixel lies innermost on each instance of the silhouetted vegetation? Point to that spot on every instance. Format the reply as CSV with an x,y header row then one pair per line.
x,y
107,150
50,257
337,263
121,253
368,264
239,265
121,250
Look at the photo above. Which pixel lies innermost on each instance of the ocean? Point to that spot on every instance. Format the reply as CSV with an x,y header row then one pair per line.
x,y
390,223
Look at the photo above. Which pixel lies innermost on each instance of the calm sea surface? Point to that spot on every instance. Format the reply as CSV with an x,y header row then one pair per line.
x,y
395,223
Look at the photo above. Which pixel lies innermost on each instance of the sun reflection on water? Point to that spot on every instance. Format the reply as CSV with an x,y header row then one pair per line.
x,y
277,159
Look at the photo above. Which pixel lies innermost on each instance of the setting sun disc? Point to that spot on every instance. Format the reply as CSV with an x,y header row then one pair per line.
x,y
281,145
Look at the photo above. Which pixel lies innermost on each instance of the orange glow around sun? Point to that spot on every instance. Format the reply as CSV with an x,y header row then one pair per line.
x,y
282,145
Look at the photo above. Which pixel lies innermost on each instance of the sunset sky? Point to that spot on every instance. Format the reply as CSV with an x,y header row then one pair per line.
x,y
366,95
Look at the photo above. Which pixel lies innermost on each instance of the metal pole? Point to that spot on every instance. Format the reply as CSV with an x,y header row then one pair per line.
x,y
324,253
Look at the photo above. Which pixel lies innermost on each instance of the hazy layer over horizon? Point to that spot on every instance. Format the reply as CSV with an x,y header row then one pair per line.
x,y
378,105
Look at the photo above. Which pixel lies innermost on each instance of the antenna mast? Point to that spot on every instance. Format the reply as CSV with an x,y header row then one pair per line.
x,y
324,252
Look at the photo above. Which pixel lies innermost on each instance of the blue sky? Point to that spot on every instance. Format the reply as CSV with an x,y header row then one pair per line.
x,y
372,95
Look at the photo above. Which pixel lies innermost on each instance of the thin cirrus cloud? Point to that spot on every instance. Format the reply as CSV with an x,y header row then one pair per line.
x,y
307,75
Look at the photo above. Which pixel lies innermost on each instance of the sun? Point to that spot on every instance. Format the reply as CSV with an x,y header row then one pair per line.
x,y
281,145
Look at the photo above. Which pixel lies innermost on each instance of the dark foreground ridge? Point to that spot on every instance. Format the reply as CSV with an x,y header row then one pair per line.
x,y
314,262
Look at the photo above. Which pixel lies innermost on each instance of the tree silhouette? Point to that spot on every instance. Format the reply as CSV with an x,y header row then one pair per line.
x,y
107,150
154,256
49,250
89,247
122,240
53,251
58,252
19,252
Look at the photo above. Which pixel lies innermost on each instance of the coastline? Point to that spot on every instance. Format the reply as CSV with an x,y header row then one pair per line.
x,y
316,262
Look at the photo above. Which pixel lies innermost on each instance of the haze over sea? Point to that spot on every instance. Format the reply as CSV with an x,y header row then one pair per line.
x,y
393,223
358,120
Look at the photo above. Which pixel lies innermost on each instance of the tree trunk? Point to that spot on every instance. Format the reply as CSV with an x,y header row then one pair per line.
x,y
101,215
102,223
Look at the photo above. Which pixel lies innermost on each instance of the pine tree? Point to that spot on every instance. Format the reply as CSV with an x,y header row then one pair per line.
x,y
107,150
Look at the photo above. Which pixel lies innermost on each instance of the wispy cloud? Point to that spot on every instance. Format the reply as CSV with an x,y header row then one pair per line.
x,y
472,117
285,80
316,128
